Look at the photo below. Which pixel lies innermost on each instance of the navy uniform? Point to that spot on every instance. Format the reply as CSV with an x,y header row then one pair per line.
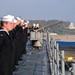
x,y
18,42
25,39
6,49
12,35
6,45
25,31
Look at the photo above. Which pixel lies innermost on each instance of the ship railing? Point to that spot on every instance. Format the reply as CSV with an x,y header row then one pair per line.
x,y
56,56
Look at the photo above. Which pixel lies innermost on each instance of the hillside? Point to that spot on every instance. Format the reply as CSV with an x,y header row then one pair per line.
x,y
60,28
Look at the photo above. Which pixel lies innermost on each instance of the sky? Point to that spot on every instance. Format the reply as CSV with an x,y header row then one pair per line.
x,y
39,9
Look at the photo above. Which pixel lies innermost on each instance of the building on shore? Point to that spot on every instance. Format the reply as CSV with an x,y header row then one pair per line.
x,y
71,26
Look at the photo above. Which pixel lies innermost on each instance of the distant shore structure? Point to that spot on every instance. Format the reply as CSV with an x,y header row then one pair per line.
x,y
71,26
67,38
53,33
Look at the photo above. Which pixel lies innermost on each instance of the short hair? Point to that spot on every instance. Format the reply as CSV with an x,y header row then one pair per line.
x,y
2,23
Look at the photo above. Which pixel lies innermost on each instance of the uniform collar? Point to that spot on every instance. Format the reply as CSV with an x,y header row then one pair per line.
x,y
4,30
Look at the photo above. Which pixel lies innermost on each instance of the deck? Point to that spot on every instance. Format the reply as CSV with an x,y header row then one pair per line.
x,y
35,62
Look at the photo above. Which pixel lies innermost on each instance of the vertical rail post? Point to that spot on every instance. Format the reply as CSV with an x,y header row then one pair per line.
x,y
57,57
51,57
73,66
62,63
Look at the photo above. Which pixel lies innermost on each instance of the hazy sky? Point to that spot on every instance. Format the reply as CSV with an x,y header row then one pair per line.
x,y
39,9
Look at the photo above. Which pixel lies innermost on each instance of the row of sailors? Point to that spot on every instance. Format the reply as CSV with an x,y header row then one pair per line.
x,y
35,26
13,38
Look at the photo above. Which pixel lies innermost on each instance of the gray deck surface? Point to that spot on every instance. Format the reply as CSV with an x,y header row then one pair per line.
x,y
33,63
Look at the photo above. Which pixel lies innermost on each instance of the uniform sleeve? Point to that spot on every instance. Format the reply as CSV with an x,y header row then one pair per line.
x,y
25,30
1,40
12,34
20,29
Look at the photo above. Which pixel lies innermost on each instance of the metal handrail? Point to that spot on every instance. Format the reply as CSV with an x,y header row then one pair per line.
x,y
54,54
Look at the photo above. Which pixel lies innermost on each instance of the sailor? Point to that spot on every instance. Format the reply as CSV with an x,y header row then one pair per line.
x,y
37,26
12,34
17,37
25,34
34,26
6,45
